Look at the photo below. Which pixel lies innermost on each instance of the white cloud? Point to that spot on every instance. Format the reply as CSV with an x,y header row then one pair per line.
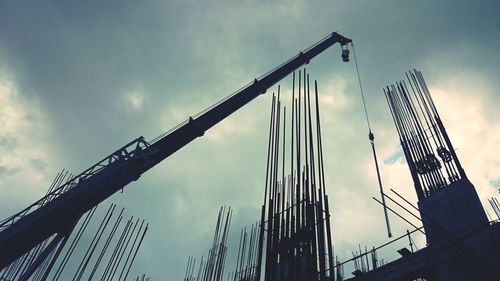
x,y
135,100
26,156
474,134
333,94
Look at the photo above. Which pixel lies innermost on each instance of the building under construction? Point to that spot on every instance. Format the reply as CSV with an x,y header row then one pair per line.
x,y
292,239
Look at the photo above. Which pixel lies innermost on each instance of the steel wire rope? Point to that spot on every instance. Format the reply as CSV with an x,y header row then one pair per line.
x,y
372,138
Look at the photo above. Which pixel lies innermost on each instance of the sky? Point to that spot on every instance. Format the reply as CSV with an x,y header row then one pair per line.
x,y
79,79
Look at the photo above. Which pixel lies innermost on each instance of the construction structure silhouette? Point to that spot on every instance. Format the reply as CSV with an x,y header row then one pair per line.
x,y
292,241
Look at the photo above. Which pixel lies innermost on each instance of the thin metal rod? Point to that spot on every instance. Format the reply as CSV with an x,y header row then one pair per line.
x,y
136,250
401,217
31,269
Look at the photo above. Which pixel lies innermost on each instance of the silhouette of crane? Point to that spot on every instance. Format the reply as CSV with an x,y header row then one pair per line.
x,y
55,215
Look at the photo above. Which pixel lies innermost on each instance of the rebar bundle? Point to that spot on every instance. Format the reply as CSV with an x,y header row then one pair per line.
x,y
295,220
213,268
422,135
107,257
495,206
246,262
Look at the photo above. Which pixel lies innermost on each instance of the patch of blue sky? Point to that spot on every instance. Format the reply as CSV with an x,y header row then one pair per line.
x,y
395,157
495,183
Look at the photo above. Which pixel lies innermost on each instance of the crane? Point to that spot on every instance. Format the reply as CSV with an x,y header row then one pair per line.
x,y
56,214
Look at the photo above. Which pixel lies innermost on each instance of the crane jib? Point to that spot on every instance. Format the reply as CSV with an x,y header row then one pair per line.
x,y
60,209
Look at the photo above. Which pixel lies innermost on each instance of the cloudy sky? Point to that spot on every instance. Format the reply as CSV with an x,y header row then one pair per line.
x,y
80,79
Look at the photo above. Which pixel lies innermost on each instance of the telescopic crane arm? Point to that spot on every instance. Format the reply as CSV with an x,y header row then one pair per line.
x,y
197,126
59,211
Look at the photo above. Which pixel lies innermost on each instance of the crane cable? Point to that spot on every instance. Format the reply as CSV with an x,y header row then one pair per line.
x,y
361,88
371,137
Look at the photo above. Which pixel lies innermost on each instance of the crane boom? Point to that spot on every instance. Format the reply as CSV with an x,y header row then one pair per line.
x,y
60,210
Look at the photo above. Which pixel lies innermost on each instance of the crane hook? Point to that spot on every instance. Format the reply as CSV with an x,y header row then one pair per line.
x,y
345,52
